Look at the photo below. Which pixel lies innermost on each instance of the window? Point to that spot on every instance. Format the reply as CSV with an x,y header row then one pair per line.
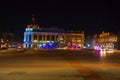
x,y
40,37
48,37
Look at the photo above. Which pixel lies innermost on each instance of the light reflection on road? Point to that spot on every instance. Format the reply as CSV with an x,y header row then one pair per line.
x,y
111,51
103,53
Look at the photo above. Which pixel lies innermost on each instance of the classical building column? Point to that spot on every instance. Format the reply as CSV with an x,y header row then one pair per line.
x,y
55,38
50,38
37,40
42,38
28,41
37,37
45,37
28,37
25,37
32,40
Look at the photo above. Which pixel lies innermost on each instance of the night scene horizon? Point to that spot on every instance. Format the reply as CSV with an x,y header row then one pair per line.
x,y
90,16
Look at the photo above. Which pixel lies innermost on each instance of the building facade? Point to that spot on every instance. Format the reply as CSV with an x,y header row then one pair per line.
x,y
75,39
106,40
6,40
39,37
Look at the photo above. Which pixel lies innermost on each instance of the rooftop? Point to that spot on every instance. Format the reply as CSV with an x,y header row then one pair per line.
x,y
54,30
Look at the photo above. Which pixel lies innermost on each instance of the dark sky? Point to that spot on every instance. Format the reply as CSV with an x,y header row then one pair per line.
x,y
90,16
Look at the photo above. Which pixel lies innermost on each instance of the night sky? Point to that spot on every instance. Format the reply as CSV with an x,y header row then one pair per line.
x,y
90,16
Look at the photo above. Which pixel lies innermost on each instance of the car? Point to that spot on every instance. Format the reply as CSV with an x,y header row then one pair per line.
x,y
20,48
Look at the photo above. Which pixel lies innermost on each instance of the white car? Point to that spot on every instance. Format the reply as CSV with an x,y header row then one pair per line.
x,y
19,48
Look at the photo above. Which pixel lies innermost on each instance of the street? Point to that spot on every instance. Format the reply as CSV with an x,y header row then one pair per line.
x,y
84,64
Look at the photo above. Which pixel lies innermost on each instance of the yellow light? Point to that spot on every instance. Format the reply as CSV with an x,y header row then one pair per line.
x,y
35,41
103,53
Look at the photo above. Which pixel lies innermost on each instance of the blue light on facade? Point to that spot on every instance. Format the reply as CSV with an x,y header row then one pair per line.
x,y
29,29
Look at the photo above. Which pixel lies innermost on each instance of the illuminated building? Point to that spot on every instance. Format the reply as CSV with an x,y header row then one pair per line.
x,y
6,40
106,40
37,37
75,39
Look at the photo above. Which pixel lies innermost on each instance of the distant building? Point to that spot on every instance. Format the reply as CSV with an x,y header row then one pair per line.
x,y
75,39
106,40
6,39
37,37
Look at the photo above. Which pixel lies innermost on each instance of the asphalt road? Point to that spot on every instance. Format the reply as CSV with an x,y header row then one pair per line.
x,y
84,64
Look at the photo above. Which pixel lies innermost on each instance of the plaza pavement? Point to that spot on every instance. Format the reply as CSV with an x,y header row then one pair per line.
x,y
56,65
